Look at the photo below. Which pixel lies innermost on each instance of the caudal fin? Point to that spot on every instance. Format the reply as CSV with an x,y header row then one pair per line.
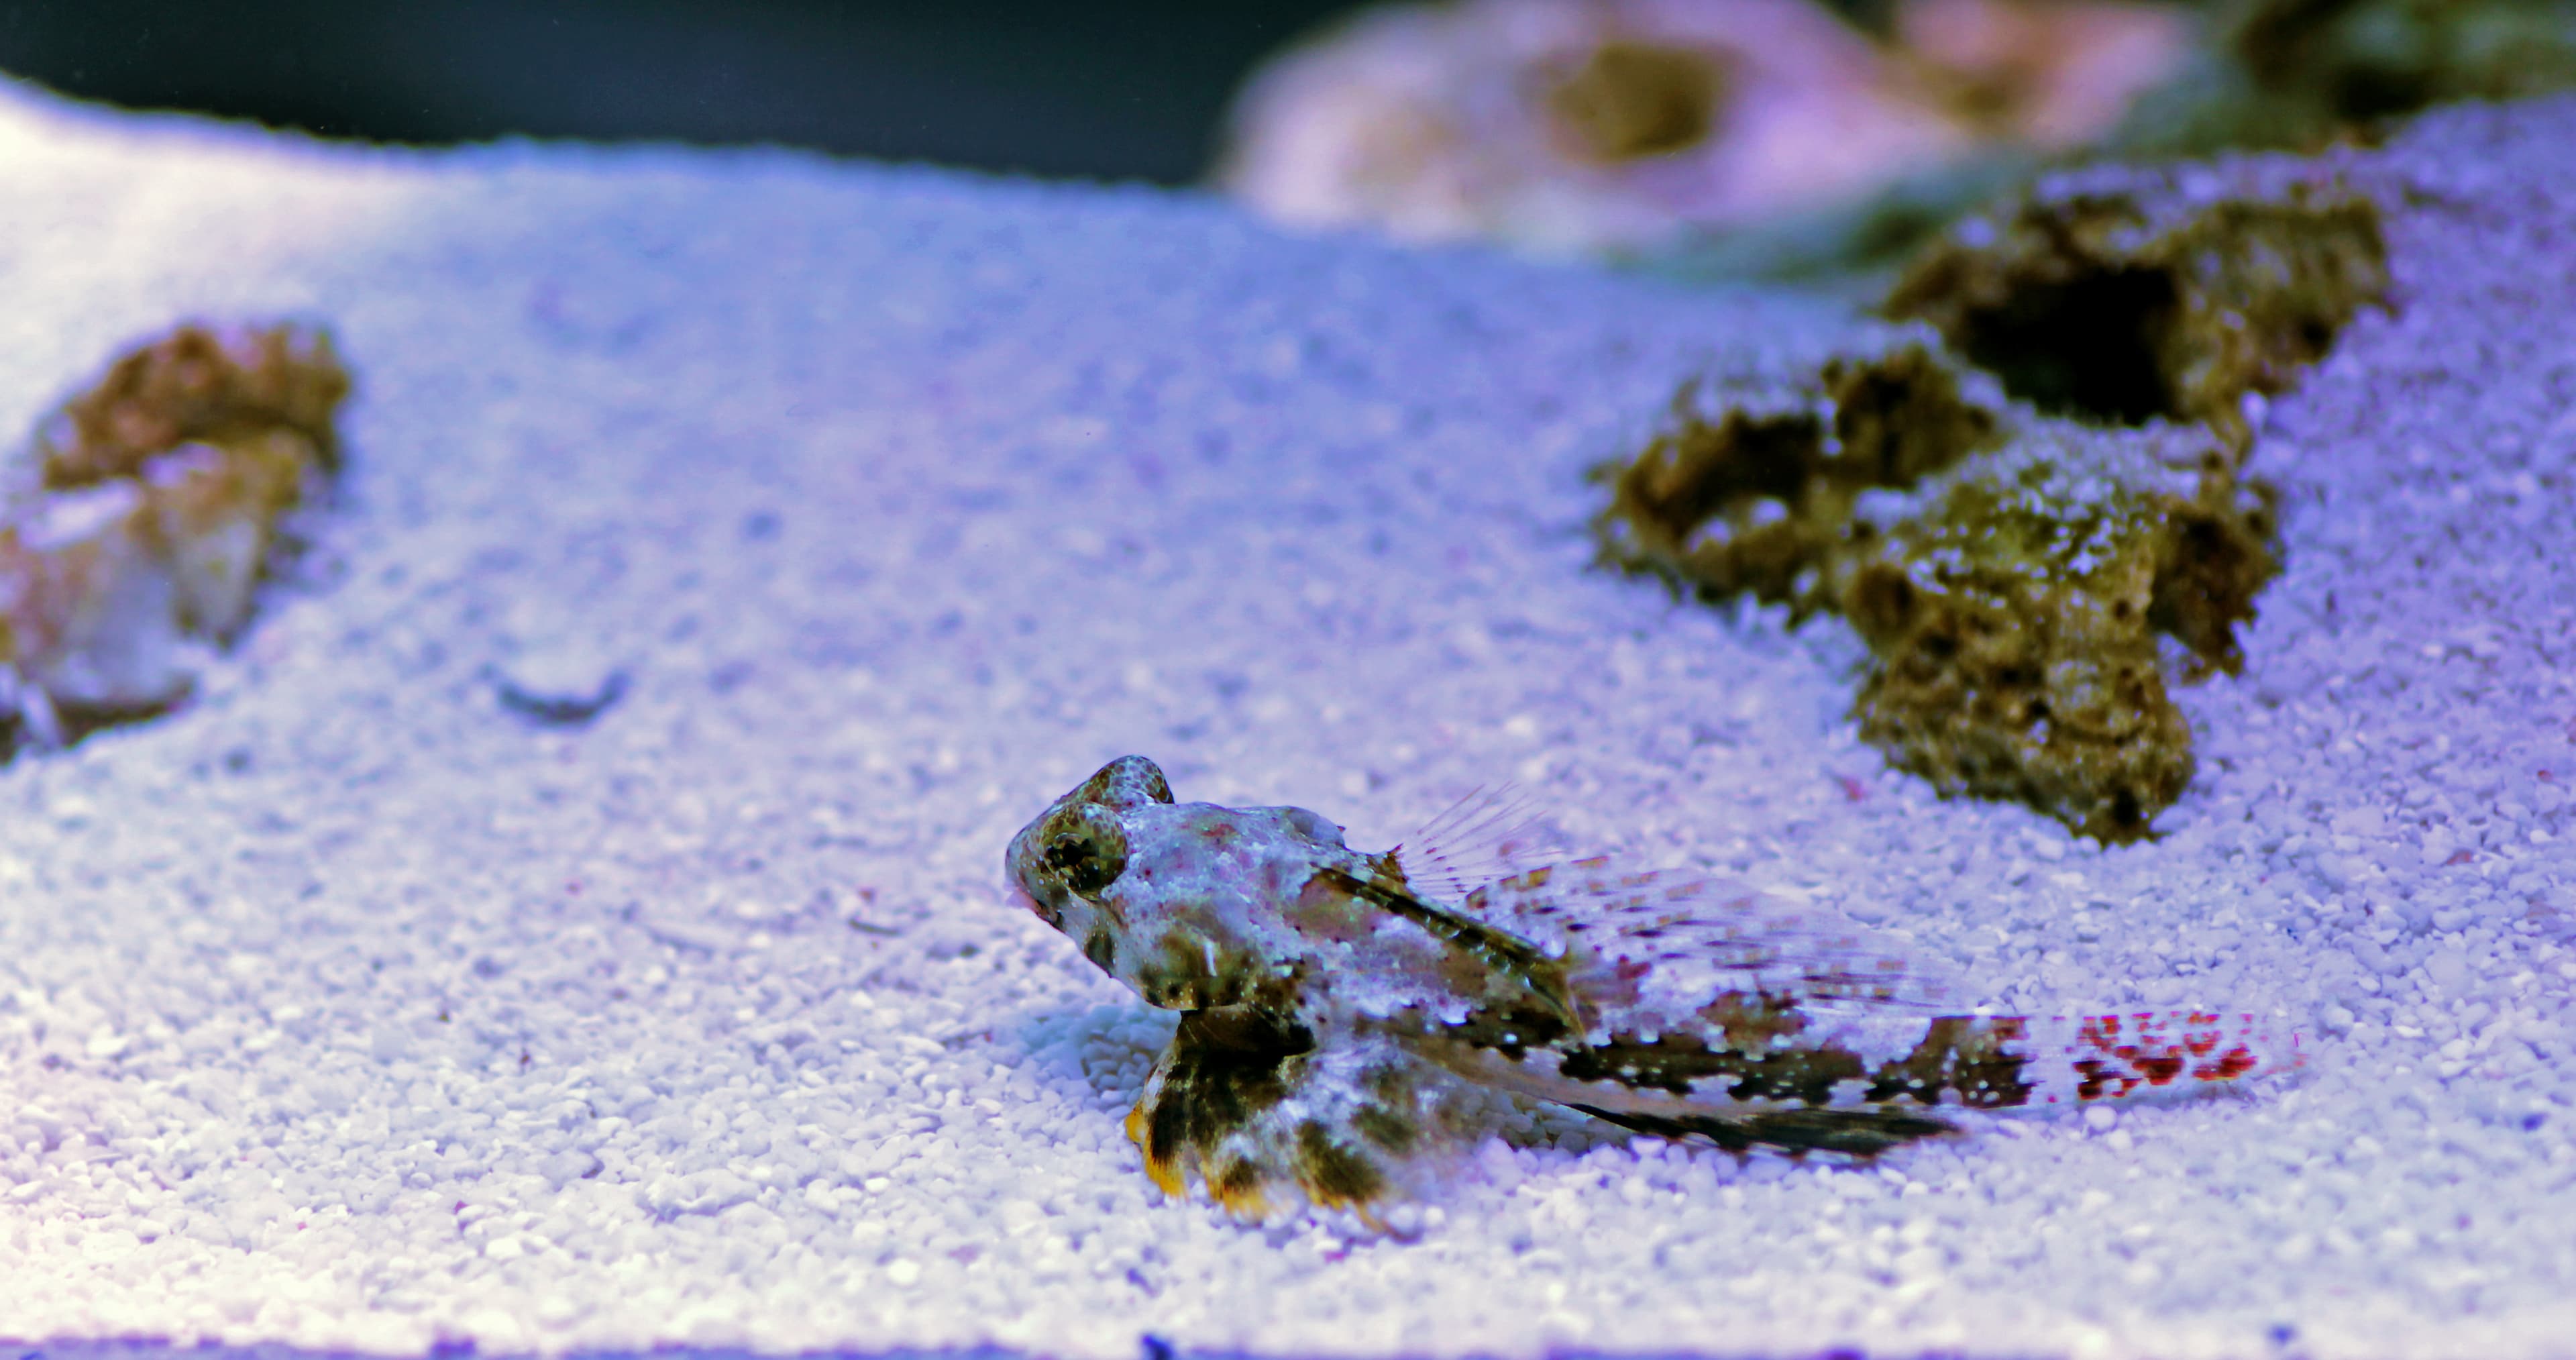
x,y
2090,1058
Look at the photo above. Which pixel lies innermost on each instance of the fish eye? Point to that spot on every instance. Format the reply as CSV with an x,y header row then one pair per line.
x,y
1088,848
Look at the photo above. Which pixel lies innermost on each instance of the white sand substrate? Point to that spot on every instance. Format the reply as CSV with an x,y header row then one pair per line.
x,y
349,1008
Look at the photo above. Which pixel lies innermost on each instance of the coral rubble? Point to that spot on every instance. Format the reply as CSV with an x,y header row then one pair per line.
x,y
2123,293
132,538
2011,574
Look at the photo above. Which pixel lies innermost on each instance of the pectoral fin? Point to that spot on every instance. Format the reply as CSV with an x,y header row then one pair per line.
x,y
1261,1115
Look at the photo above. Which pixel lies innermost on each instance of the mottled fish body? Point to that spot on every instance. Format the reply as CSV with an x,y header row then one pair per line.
x,y
1343,1010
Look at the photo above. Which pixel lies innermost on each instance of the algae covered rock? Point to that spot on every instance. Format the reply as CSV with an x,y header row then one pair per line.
x,y
135,528
2123,294
2013,575
199,385
2015,618
1753,482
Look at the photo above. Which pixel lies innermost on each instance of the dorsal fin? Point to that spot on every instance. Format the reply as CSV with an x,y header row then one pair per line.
x,y
1490,834
1523,967
1709,936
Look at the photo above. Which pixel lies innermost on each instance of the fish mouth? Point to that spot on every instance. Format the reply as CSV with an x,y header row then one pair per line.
x,y
1027,901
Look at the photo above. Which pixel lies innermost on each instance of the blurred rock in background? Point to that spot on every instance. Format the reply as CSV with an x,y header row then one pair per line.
x,y
1795,136
1633,126
1700,136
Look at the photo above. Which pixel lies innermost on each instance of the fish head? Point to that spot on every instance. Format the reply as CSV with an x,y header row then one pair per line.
x,y
1179,901
1062,862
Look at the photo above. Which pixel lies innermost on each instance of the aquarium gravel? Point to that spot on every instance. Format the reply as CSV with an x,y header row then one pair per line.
x,y
571,918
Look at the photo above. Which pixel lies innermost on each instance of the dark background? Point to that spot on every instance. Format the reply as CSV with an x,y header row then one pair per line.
x,y
1108,90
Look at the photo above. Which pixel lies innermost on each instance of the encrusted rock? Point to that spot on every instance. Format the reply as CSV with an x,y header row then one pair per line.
x,y
2012,575
2125,294
133,535
1752,484
196,385
2015,616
